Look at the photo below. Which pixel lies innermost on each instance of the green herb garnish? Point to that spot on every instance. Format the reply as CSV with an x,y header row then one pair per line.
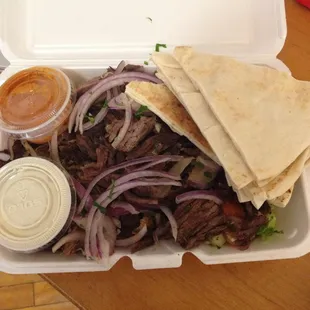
x,y
83,213
158,46
269,229
105,103
208,174
140,111
112,189
150,19
146,63
199,164
90,118
100,207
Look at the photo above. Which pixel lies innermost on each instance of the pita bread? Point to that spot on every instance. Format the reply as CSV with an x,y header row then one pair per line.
x,y
159,99
270,105
178,82
276,188
282,200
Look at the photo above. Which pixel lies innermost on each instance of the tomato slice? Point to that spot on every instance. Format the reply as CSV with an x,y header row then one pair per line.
x,y
233,209
305,3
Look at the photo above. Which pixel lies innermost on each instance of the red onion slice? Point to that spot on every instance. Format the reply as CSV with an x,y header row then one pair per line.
x,y
80,221
98,118
172,221
144,174
107,197
124,129
110,231
90,83
207,195
77,235
93,235
152,164
86,100
28,148
211,165
4,141
54,148
80,190
121,66
132,240
140,202
104,245
10,145
121,207
126,164
5,156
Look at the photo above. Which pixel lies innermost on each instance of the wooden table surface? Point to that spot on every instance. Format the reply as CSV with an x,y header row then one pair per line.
x,y
263,285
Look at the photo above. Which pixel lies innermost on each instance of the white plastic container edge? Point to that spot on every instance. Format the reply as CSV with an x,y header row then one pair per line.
x,y
84,37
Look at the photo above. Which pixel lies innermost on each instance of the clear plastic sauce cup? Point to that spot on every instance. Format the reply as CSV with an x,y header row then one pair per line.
x,y
35,102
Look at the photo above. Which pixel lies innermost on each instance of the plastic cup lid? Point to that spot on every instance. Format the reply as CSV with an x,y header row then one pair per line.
x,y
35,202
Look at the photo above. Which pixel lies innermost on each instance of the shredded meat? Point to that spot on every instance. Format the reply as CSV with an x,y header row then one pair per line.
x,y
86,146
137,131
154,145
18,149
139,201
195,219
113,127
154,192
142,244
91,170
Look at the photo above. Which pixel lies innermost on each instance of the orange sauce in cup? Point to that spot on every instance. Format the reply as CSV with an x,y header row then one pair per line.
x,y
34,103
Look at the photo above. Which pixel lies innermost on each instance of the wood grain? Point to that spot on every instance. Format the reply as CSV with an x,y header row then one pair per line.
x,y
60,306
12,279
276,285
45,294
17,296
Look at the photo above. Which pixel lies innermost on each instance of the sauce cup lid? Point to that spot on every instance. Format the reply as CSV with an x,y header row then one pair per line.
x,y
35,203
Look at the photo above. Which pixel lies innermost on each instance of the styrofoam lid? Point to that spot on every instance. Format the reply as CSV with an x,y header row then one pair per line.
x,y
104,31
35,202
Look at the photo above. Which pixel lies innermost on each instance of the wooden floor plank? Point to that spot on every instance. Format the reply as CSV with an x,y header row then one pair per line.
x,y
60,306
13,279
45,294
17,296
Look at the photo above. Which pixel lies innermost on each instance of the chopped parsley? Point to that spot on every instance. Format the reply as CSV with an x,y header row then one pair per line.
x,y
112,189
89,117
83,213
199,164
150,19
269,229
146,63
100,207
159,45
208,174
140,111
105,103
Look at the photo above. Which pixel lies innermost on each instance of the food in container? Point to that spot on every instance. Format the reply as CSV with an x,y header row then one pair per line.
x,y
35,102
37,204
143,172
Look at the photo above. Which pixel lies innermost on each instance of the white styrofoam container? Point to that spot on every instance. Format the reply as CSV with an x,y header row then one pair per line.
x,y
82,37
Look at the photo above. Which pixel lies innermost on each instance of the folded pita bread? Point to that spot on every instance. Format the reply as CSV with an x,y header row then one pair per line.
x,y
282,200
178,82
265,112
159,99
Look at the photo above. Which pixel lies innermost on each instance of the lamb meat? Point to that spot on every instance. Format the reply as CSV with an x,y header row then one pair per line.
x,y
86,146
137,131
154,145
